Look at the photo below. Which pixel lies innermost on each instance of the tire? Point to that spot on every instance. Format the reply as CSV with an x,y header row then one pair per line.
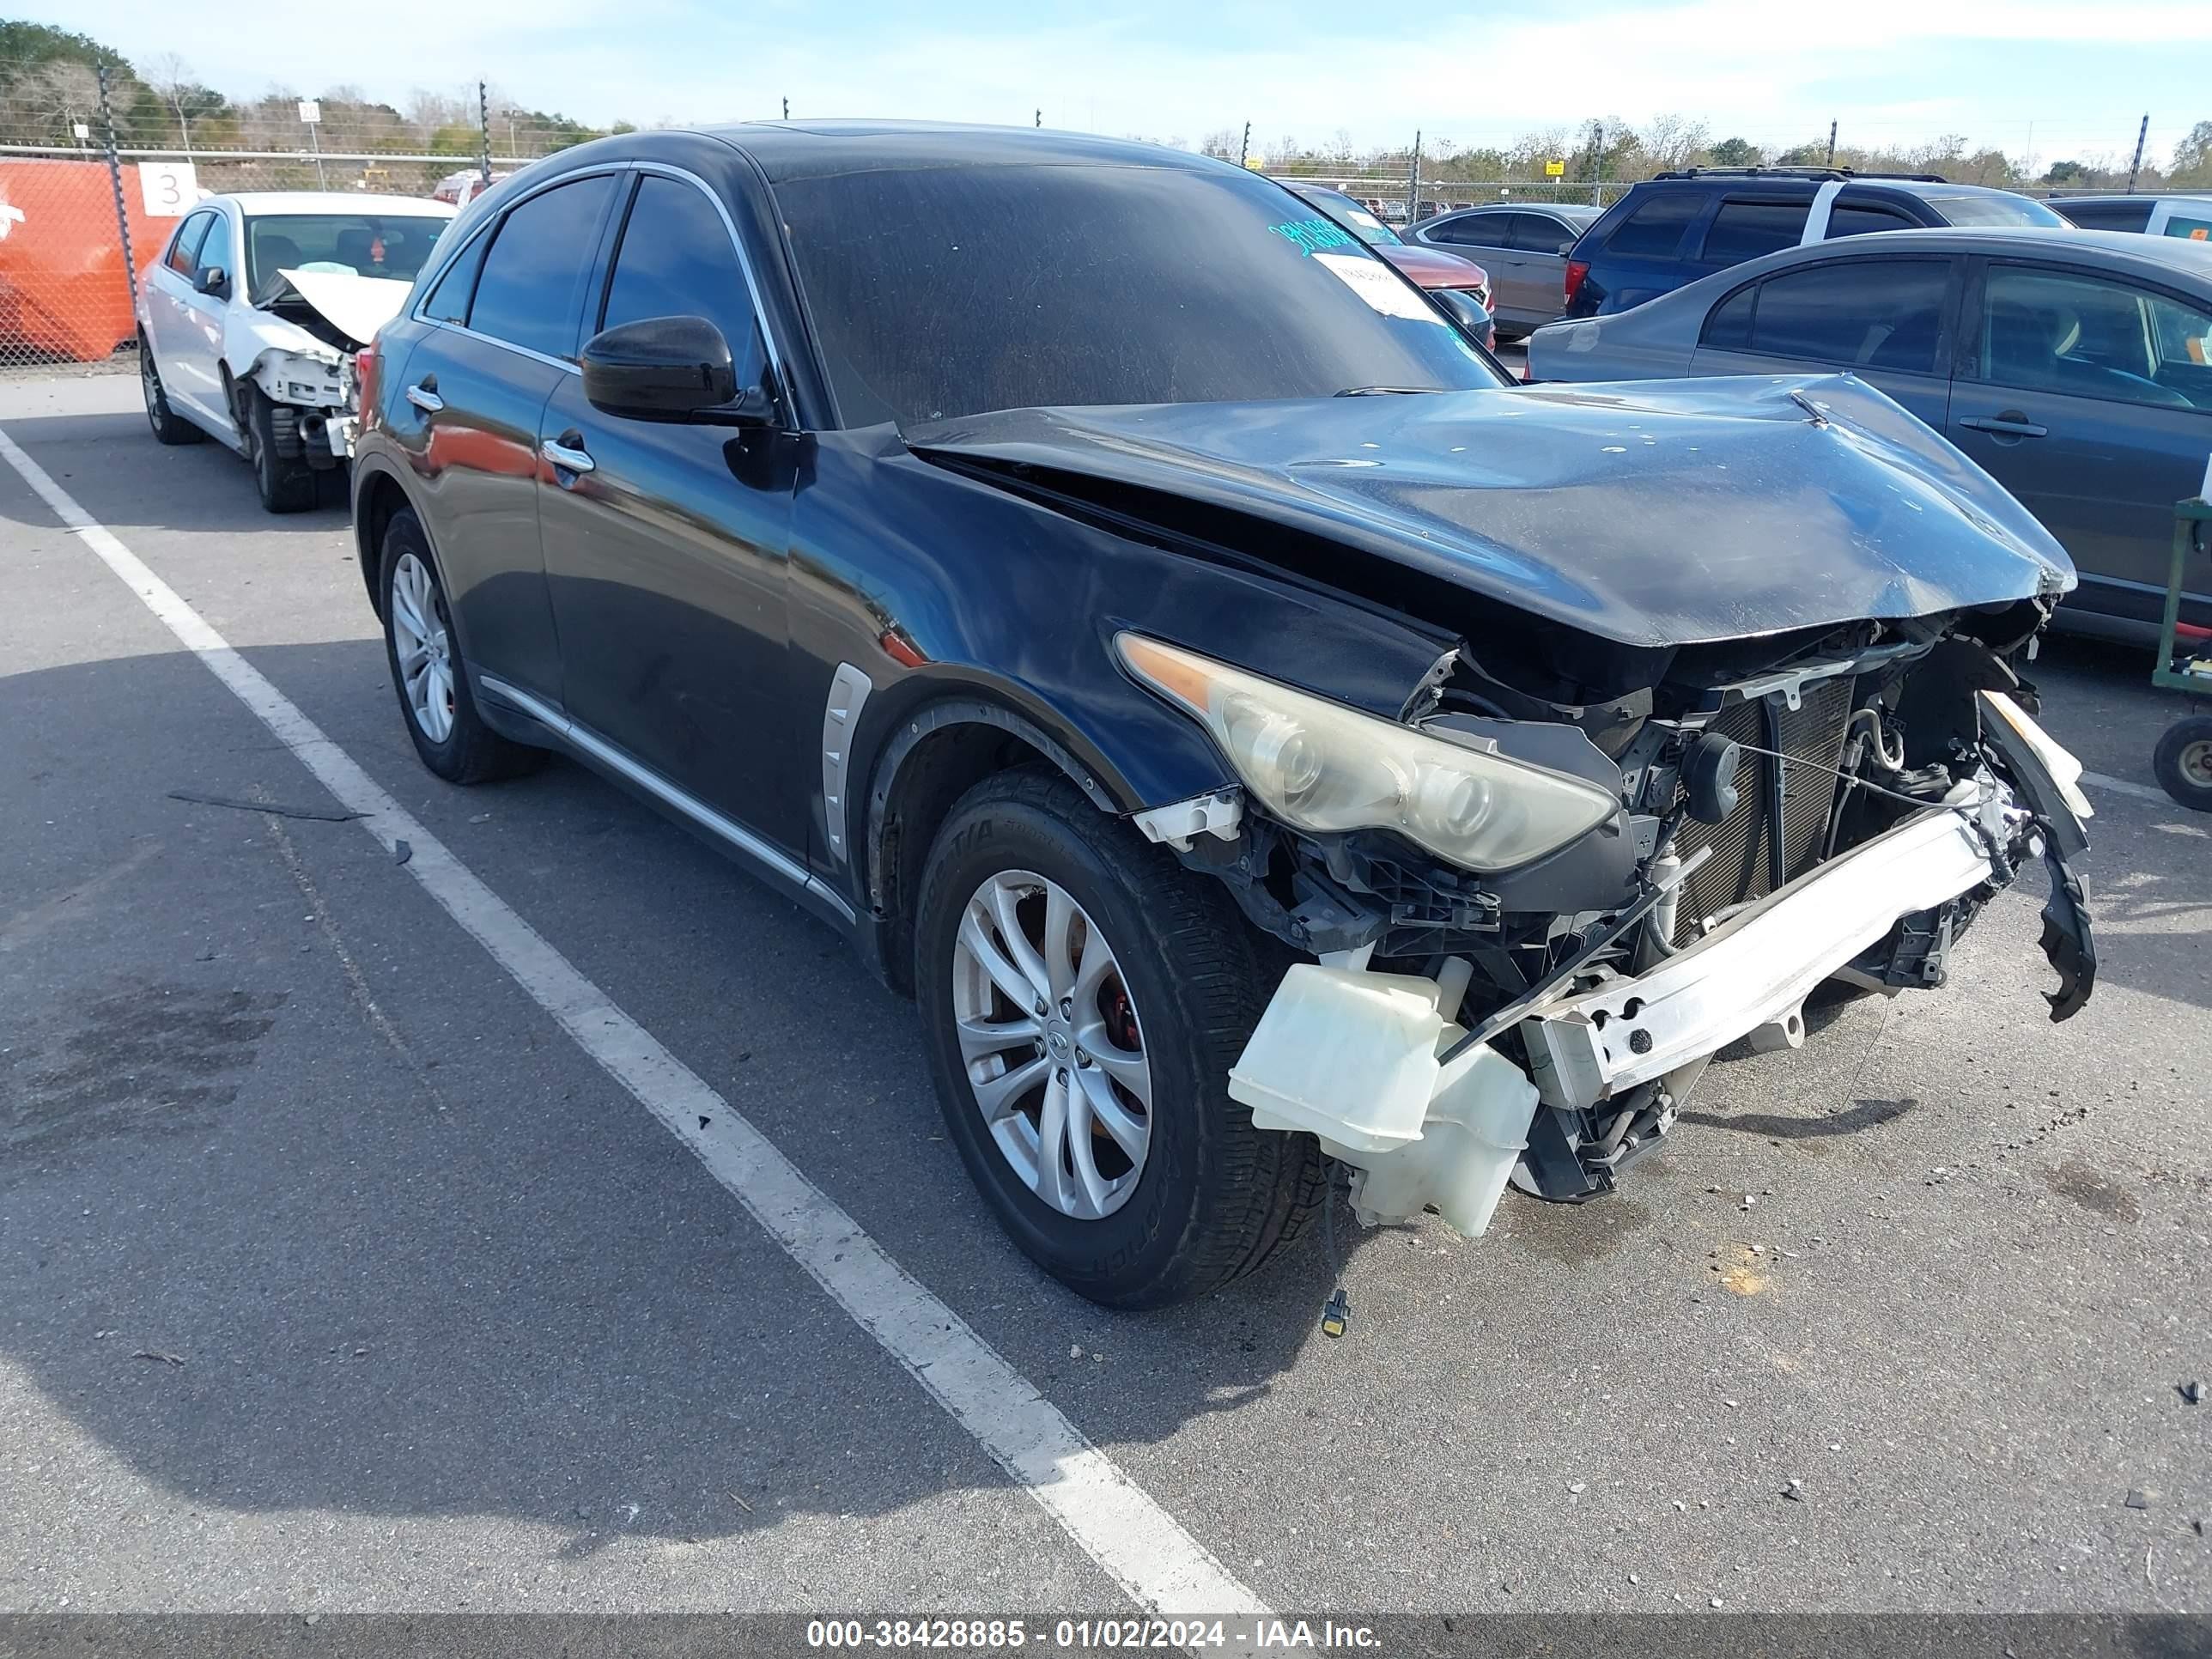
x,y
2183,762
286,483
465,750
1212,1197
169,427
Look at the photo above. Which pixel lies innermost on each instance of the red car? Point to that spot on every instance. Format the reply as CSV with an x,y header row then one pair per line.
x,y
1430,267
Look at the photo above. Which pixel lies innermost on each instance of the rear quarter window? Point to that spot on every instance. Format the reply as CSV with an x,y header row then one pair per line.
x,y
1654,229
1744,230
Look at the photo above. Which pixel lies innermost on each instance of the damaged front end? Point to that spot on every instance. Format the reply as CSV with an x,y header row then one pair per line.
x,y
295,343
1718,828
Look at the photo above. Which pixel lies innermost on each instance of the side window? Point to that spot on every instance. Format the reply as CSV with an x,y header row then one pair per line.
x,y
1744,230
1475,230
527,292
1857,313
1860,218
1728,328
215,250
677,260
1537,233
2090,336
2108,216
185,249
449,300
1655,227
2197,227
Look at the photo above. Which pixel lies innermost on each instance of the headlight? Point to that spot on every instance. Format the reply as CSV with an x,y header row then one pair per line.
x,y
1320,766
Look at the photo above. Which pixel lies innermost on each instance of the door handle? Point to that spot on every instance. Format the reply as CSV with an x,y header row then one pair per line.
x,y
423,394
2009,424
567,452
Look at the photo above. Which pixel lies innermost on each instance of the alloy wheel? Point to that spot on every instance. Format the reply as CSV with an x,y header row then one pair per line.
x,y
1051,1043
424,649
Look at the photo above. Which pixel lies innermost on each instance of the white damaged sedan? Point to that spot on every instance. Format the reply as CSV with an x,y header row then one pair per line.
x,y
248,322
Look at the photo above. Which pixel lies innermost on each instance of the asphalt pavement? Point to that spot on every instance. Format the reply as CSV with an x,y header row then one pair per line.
x,y
334,1274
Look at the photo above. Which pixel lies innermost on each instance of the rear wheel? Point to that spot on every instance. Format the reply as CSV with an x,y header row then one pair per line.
x,y
2183,762
1083,998
169,427
281,472
427,670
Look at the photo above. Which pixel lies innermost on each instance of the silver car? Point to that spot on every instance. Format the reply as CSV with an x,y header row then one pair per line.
x,y
2188,214
1523,245
2074,366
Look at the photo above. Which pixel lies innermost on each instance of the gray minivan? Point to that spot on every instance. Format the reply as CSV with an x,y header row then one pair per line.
x,y
1523,245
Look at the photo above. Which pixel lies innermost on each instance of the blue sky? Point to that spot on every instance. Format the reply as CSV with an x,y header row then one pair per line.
x,y
2062,76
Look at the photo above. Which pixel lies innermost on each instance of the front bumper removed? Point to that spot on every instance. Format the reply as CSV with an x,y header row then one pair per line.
x,y
1375,1066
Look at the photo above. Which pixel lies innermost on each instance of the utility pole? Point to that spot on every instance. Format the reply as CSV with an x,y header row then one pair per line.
x,y
1413,183
2136,165
786,109
1597,164
1831,143
483,133
1244,149
1040,119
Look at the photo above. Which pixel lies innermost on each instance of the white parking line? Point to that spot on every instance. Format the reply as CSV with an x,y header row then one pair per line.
x,y
1136,1542
2121,786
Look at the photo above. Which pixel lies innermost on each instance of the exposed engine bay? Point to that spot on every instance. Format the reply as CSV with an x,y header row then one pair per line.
x,y
1837,804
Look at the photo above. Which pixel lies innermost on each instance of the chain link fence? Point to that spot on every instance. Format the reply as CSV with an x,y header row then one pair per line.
x,y
96,169
1389,191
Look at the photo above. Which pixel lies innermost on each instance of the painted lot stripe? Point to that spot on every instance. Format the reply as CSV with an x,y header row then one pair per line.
x,y
2121,786
1136,1541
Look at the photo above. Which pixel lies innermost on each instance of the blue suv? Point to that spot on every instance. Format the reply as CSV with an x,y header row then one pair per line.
x,y
1674,227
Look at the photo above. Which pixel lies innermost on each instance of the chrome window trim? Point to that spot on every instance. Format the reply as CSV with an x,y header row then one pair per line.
x,y
769,343
723,829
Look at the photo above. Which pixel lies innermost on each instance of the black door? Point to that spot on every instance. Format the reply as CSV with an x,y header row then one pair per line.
x,y
667,549
503,326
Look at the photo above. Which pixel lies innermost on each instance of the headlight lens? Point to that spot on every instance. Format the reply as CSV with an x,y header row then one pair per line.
x,y
1322,767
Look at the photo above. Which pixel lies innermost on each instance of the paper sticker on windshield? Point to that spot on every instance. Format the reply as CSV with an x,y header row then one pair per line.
x,y
1376,283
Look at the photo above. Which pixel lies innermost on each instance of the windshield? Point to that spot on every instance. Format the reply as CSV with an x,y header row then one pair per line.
x,y
1996,208
342,244
943,291
1345,212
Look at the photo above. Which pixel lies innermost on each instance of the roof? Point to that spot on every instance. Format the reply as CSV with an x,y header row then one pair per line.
x,y
2120,250
795,149
2063,199
1928,186
256,203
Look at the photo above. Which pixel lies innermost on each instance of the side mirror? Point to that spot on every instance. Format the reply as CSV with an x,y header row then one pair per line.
x,y
1466,313
212,279
668,368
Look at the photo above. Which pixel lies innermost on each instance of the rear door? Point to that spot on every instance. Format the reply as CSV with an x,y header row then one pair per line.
x,y
1746,225
2088,395
2109,215
1888,320
1641,255
503,319
667,543
1536,268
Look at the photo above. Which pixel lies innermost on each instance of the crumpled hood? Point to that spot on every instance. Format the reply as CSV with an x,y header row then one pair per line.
x,y
355,305
1655,513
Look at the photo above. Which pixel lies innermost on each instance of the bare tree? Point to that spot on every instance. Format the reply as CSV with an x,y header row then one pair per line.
x,y
1672,141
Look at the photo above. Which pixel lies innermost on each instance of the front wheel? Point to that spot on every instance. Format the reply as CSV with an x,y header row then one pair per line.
x,y
2183,762
1083,998
285,481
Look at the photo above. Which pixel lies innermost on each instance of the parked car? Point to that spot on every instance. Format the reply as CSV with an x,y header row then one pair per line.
x,y
967,530
1431,268
248,322
1523,245
2185,215
2075,369
1678,226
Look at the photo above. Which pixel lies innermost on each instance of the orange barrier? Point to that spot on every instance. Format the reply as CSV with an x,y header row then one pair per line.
x,y
62,288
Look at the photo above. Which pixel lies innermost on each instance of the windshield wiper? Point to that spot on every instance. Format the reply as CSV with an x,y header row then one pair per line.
x,y
1384,390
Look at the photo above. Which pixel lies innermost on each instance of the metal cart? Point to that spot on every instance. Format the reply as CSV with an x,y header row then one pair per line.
x,y
2183,759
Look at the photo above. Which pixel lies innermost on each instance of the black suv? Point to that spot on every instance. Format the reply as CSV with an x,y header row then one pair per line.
x,y
1093,583
1672,229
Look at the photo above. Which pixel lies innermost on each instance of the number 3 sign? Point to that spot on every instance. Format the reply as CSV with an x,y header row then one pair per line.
x,y
168,188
